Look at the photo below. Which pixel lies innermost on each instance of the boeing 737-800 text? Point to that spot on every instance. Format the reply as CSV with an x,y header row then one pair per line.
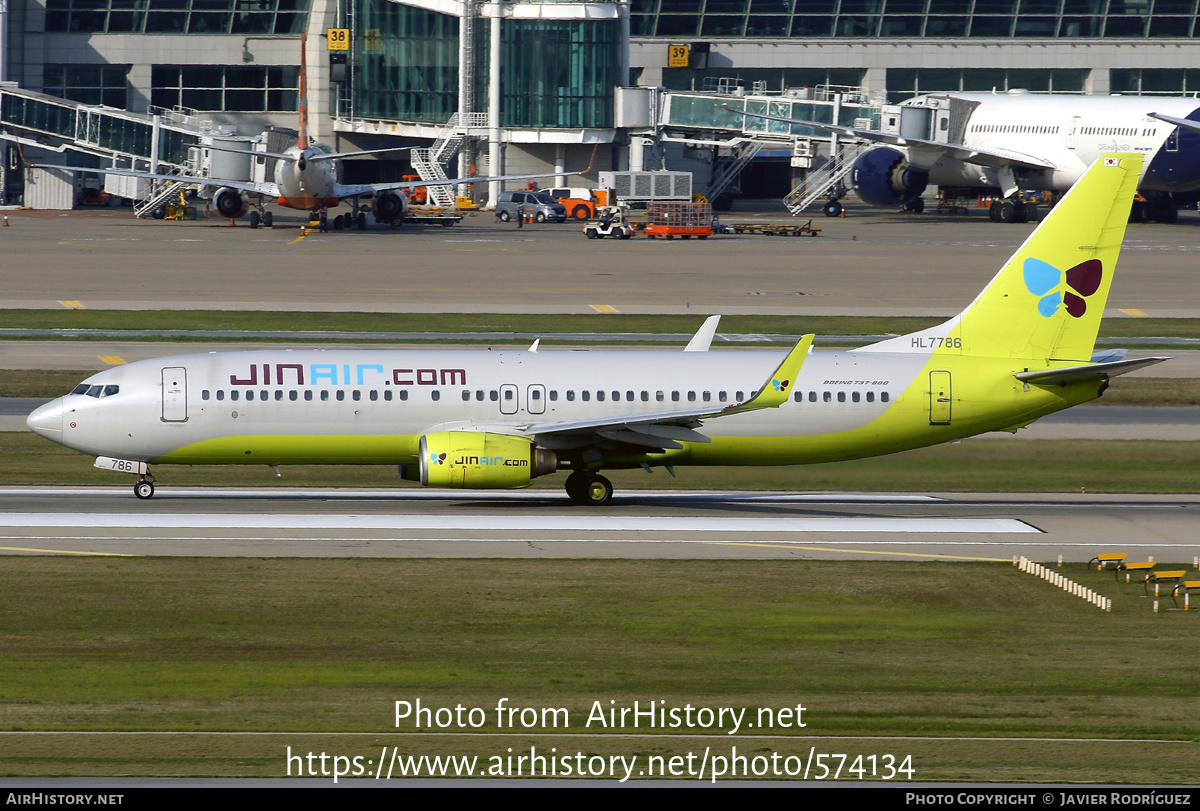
x,y
500,418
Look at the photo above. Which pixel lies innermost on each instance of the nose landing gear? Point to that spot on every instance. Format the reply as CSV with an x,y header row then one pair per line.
x,y
144,488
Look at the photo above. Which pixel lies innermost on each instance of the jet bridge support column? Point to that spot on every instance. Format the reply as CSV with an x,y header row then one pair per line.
x,y
495,134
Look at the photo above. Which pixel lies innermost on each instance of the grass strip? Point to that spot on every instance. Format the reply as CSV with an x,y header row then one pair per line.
x,y
941,650
1028,466
524,323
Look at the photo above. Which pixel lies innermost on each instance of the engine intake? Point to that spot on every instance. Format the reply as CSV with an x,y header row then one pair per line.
x,y
388,206
884,177
230,202
477,460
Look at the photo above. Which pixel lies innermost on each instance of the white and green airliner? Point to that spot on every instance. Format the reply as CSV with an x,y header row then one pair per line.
x,y
498,418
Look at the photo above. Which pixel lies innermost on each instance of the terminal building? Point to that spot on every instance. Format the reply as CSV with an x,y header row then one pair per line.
x,y
553,85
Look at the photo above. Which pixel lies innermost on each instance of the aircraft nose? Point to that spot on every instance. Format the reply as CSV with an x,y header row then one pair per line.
x,y
47,420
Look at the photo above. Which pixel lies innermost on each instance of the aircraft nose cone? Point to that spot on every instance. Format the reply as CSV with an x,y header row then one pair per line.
x,y
47,420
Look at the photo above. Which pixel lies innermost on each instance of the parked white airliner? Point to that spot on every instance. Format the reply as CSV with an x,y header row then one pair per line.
x,y
1019,141
499,418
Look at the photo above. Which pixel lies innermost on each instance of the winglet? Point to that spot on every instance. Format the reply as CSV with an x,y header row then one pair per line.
x,y
776,388
702,340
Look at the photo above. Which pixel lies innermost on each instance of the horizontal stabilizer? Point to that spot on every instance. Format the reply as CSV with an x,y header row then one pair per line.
x,y
1075,374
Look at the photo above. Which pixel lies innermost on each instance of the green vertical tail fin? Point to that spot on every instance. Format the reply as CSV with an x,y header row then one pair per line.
x,y
1046,302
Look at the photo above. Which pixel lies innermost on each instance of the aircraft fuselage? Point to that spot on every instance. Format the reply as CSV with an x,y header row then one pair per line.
x,y
1070,132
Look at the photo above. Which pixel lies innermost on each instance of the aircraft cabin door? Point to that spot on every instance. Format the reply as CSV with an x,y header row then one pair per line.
x,y
939,398
535,399
1072,129
508,399
174,394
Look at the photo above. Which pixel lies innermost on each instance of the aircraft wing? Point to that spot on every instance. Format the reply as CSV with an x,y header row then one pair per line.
x,y
664,429
269,189
1186,123
344,190
995,158
1075,374
321,156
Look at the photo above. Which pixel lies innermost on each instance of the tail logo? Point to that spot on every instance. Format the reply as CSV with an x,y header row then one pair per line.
x,y
1046,281
780,386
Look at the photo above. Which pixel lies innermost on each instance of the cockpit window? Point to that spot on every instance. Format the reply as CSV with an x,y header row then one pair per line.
x,y
96,391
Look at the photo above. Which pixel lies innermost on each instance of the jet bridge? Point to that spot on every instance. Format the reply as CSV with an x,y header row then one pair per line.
x,y
714,139
158,142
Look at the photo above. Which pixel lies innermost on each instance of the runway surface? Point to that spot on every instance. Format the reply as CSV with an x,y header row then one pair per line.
x,y
639,524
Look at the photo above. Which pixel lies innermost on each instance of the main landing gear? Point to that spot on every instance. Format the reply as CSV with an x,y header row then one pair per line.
x,y
589,488
1009,210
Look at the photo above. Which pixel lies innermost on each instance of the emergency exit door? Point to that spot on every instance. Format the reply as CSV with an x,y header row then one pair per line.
x,y
939,398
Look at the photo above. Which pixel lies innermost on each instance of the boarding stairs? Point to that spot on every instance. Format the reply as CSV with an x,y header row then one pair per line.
x,y
816,185
164,192
727,171
430,162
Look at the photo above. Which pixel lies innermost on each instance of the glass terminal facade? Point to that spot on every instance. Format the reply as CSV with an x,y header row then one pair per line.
x,y
910,19
555,73
176,16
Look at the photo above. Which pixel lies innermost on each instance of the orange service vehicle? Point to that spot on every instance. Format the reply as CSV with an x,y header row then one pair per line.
x,y
581,204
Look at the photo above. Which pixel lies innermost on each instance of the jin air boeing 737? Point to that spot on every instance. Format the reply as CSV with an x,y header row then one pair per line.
x,y
500,418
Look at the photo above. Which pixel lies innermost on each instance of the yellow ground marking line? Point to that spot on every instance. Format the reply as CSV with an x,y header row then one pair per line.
x,y
604,308
1132,311
297,239
113,360
859,551
70,304
67,552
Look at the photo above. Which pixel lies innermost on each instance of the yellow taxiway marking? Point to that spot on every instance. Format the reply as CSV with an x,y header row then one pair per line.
x,y
1132,311
113,360
73,305
604,308
67,552
859,551
303,234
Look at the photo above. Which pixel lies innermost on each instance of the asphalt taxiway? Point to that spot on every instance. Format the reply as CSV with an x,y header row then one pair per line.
x,y
303,522
870,263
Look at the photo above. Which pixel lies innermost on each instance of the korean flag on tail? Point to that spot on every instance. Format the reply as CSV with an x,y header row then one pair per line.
x,y
1111,162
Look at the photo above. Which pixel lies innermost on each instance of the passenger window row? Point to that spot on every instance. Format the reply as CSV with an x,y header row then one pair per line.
x,y
293,395
840,396
480,395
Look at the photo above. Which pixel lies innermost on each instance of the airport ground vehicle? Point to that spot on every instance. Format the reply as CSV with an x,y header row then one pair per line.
x,y
611,222
536,204
684,220
582,204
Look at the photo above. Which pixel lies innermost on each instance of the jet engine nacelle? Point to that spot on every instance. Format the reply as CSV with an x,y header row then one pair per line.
x,y
478,460
388,206
230,202
884,177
